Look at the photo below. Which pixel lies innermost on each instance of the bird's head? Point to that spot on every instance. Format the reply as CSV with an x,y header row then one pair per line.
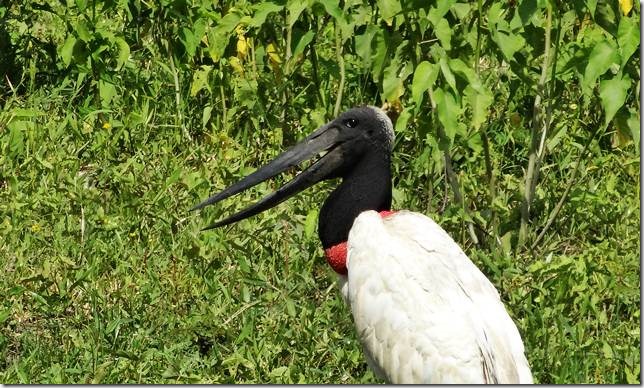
x,y
342,143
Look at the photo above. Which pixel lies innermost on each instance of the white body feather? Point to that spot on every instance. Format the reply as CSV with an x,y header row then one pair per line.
x,y
422,310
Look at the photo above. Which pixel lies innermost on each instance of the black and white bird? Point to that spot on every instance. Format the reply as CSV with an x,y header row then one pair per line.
x,y
423,311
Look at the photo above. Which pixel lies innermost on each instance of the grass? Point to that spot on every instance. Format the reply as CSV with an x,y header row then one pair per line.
x,y
109,280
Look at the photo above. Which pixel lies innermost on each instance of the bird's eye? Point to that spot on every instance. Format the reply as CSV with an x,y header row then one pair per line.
x,y
351,123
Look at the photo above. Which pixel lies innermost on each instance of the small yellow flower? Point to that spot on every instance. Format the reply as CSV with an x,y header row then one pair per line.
x,y
35,228
242,47
107,125
626,6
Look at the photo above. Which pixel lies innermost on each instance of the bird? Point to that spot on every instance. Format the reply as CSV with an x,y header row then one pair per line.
x,y
423,311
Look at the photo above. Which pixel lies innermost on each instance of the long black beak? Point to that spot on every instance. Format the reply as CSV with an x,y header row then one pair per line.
x,y
323,139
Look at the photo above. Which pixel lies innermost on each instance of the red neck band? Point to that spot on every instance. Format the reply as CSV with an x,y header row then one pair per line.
x,y
336,256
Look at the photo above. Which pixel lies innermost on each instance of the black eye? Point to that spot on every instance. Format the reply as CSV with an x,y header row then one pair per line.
x,y
351,123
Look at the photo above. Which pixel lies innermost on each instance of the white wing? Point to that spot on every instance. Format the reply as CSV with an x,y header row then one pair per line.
x,y
423,311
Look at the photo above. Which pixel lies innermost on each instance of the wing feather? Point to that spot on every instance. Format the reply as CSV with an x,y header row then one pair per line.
x,y
423,311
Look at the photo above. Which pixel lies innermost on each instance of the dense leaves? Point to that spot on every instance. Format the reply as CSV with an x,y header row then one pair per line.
x,y
517,128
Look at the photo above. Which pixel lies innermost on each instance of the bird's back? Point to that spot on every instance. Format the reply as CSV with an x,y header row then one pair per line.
x,y
423,311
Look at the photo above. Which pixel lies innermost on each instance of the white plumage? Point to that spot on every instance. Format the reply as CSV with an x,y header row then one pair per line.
x,y
422,310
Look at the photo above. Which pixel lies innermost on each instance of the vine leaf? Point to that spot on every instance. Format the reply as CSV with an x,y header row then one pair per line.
x,y
601,59
67,51
424,78
613,94
448,110
628,38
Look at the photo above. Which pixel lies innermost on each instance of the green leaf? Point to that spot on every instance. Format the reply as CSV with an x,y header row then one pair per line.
x,y
4,315
526,10
607,350
600,60
81,4
494,14
403,119
67,51
170,372
107,91
295,8
83,31
459,67
389,9
606,16
200,80
17,137
279,371
631,377
480,100
290,307
462,10
378,54
424,78
205,117
123,52
613,94
363,44
301,44
634,125
628,38
435,14
310,223
189,41
508,43
592,6
219,36
448,110
444,33
447,73
392,84
332,8
262,10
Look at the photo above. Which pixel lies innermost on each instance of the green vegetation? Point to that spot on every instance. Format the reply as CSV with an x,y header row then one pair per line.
x,y
517,131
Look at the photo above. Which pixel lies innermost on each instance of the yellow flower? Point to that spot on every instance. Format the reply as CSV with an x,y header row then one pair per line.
x,y
626,6
35,228
107,125
242,47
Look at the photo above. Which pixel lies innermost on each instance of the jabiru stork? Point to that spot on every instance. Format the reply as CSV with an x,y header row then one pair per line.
x,y
423,311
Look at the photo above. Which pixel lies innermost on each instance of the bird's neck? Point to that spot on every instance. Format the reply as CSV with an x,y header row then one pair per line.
x,y
366,187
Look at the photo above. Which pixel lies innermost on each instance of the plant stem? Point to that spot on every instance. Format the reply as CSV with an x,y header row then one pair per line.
x,y
486,142
286,71
539,126
177,92
340,59
453,181
559,205
491,179
551,93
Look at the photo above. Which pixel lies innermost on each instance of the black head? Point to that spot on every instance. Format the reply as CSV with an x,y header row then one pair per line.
x,y
359,133
364,130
